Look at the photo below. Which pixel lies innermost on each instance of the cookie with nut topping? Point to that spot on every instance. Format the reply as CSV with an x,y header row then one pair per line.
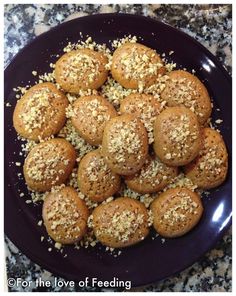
x,y
135,65
177,136
65,216
95,178
153,176
125,144
120,223
184,88
176,211
49,164
146,107
81,69
209,168
89,116
40,112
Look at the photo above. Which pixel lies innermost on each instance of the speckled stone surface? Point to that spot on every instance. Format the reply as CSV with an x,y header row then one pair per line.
x,y
211,25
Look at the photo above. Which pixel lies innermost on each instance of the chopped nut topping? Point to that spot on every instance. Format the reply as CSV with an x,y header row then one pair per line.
x,y
129,39
123,225
184,92
181,181
147,114
182,135
43,166
63,214
36,106
153,172
179,210
70,134
97,166
114,92
138,65
210,160
78,67
125,140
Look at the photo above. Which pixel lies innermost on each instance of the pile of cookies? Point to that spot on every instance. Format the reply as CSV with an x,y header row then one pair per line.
x,y
142,144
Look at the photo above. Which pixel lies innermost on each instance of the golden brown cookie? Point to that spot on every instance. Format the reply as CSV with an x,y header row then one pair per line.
x,y
125,144
210,168
176,211
41,112
95,178
135,65
120,223
177,136
81,69
184,88
146,107
153,176
89,117
65,216
48,164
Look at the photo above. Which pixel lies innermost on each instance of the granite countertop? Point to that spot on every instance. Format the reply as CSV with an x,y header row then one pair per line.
x,y
211,25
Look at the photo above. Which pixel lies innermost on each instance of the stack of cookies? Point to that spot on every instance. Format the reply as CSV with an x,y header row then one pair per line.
x,y
144,145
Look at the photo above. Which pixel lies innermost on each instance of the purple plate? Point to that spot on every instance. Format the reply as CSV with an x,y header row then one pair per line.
x,y
150,260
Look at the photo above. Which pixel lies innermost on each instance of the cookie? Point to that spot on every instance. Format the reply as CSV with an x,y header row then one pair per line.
x,y
177,136
210,168
95,178
176,211
146,107
136,66
120,223
125,144
65,216
41,112
153,176
48,164
184,88
81,69
89,116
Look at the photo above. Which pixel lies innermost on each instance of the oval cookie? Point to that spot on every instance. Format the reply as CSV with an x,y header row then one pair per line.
x,y
184,88
210,168
125,144
81,69
89,117
177,136
95,178
145,107
41,112
65,216
176,211
153,176
49,164
120,223
136,66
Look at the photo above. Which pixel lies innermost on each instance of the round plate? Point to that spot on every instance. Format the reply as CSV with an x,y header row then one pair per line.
x,y
150,260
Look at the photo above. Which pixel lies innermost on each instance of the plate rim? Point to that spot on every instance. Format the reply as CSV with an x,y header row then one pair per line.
x,y
219,65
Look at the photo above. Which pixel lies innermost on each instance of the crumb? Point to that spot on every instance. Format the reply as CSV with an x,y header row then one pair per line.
x,y
40,223
58,245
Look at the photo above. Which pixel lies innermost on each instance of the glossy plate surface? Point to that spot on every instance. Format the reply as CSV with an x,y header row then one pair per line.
x,y
150,260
